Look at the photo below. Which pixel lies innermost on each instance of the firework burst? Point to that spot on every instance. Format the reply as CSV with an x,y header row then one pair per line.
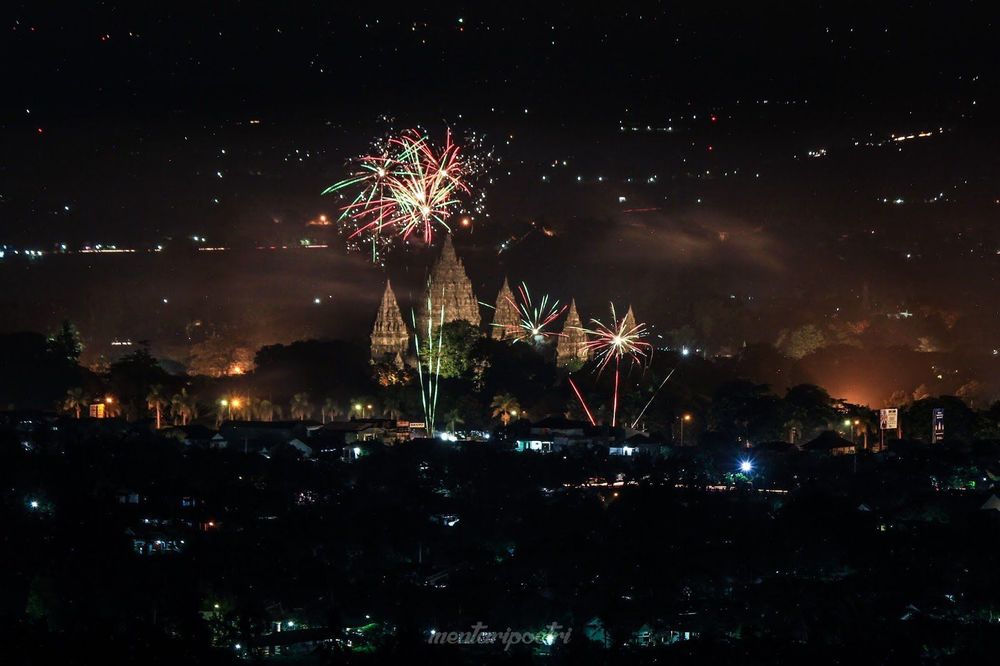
x,y
406,187
621,340
533,319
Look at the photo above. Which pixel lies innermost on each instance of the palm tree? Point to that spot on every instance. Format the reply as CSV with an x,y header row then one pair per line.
x,y
505,406
265,410
300,408
184,407
75,401
391,405
113,408
156,401
330,407
453,418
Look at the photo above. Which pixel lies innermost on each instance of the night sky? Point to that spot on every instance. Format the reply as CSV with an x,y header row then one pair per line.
x,y
752,155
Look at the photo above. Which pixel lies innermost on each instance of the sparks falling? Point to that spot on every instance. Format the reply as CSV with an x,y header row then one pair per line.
x,y
621,340
533,320
407,187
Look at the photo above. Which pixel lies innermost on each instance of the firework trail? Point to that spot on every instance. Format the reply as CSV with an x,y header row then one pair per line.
x,y
615,342
583,403
662,384
431,357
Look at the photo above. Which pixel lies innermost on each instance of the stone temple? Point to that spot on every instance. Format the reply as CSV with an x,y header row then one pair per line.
x,y
449,286
572,345
505,317
629,320
390,335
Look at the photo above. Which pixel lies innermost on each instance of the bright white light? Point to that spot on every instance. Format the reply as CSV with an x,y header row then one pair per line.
x,y
746,466
34,504
357,451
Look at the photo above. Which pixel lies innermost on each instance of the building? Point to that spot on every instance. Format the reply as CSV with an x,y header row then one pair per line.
x,y
265,436
830,443
505,317
390,337
449,287
629,321
557,433
571,348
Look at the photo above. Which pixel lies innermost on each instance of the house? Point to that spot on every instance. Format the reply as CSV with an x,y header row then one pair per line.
x,y
189,435
992,504
295,446
147,540
262,436
292,642
554,426
535,445
358,430
557,433
829,443
638,444
594,630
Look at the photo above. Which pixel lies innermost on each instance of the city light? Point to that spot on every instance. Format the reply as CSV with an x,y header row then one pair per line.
x,y
746,466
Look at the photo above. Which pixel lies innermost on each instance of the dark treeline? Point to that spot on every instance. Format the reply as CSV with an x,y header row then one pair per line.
x,y
481,380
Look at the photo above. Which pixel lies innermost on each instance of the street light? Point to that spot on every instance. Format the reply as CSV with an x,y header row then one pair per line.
x,y
225,403
368,408
684,418
746,466
853,425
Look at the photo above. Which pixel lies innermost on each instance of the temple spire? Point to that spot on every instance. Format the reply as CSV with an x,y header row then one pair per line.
x,y
629,320
390,336
505,318
449,286
572,345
